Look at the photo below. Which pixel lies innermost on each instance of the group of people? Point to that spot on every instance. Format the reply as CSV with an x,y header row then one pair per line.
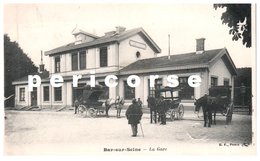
x,y
133,113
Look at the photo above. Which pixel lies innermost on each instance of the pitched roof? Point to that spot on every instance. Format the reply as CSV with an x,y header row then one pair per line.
x,y
107,39
176,62
43,75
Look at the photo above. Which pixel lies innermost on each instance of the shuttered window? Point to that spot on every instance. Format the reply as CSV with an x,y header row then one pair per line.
x,y
78,60
22,94
103,57
57,93
46,93
129,92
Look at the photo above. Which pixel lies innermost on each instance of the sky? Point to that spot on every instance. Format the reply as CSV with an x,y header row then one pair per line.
x,y
43,27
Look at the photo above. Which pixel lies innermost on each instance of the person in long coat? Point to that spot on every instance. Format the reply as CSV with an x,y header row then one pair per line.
x,y
162,109
76,104
134,115
119,102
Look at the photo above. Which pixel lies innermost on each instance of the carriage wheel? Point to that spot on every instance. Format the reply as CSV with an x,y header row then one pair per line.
x,y
173,115
82,111
92,112
180,111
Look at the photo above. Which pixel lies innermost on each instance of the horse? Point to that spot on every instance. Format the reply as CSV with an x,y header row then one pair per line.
x,y
116,103
207,111
153,109
211,105
157,107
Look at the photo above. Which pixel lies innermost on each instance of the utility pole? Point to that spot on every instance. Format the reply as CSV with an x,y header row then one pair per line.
x,y
169,45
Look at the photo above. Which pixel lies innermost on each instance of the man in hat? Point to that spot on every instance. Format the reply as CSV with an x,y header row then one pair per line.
x,y
134,115
140,103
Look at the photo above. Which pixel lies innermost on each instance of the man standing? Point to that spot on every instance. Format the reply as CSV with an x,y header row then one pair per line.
x,y
140,103
162,110
134,115
119,105
76,104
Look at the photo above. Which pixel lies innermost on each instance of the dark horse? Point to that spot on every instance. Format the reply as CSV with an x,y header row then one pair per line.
x,y
153,109
211,105
157,107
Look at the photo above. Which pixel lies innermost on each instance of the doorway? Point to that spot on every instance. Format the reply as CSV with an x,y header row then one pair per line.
x,y
34,97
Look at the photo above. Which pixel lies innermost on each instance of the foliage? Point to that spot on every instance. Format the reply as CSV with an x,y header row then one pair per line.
x,y
238,18
244,75
16,65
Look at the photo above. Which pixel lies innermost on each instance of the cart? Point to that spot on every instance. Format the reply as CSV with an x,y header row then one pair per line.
x,y
221,97
175,109
89,104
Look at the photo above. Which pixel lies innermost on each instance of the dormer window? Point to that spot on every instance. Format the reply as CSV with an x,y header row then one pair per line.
x,y
82,36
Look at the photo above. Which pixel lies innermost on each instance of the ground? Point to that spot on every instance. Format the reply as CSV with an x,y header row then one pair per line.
x,y
48,132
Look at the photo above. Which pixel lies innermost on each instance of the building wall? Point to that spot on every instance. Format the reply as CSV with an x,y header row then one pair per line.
x,y
142,90
18,103
128,53
63,102
220,70
123,53
41,102
204,84
92,62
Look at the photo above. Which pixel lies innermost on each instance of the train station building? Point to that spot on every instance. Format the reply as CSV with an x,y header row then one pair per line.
x,y
122,53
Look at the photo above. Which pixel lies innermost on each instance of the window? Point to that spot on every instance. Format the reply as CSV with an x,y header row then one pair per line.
x,y
22,94
78,60
103,57
129,92
46,93
74,59
187,92
57,64
105,95
82,60
226,82
78,91
214,81
157,85
58,94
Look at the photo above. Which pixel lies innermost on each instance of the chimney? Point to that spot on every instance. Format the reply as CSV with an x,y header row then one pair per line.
x,y
41,67
200,45
120,29
110,33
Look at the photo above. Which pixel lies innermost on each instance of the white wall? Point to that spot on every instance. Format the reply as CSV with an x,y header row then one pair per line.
x,y
92,62
142,90
19,103
204,84
128,53
220,71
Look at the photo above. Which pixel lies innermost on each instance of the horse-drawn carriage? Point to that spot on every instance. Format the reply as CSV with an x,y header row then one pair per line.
x,y
166,100
174,108
218,101
89,103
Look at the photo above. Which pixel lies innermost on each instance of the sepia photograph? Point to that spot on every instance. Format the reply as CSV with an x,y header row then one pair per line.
x,y
129,79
